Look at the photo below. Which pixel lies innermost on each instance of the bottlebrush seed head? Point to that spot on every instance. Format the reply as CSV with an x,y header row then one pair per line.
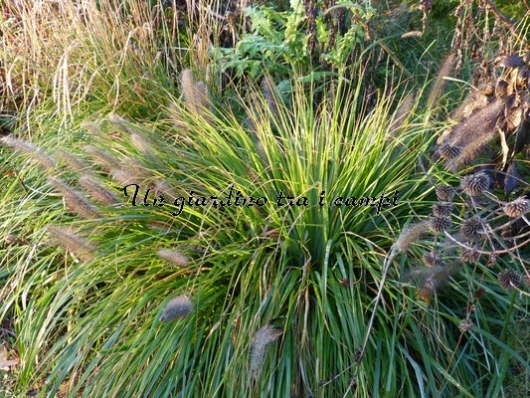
x,y
177,307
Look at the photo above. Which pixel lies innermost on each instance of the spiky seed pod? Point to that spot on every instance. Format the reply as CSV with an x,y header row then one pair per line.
x,y
472,229
75,200
465,325
442,209
411,234
448,151
469,255
516,208
34,152
262,338
98,191
174,257
445,193
440,224
433,259
508,279
177,307
72,242
475,184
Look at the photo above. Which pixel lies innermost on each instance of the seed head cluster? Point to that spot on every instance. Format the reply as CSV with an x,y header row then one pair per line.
x,y
517,207
508,279
484,233
448,151
475,184
472,229
433,259
440,224
442,209
445,193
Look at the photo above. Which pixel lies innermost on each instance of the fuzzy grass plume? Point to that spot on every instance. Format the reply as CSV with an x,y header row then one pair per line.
x,y
262,338
33,151
72,242
175,257
177,307
74,199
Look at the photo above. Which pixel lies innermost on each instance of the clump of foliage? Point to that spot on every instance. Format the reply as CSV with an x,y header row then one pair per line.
x,y
110,294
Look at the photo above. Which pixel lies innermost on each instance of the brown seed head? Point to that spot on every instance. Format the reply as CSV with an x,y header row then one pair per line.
x,y
440,224
469,255
508,279
448,151
433,259
472,229
517,207
445,193
475,184
442,209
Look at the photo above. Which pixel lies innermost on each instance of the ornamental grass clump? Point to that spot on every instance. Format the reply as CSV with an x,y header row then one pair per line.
x,y
281,253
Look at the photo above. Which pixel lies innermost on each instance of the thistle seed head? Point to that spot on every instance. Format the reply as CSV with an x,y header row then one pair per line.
x,y
475,184
472,229
445,193
442,209
517,207
508,279
433,259
440,224
469,254
492,260
177,307
448,151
